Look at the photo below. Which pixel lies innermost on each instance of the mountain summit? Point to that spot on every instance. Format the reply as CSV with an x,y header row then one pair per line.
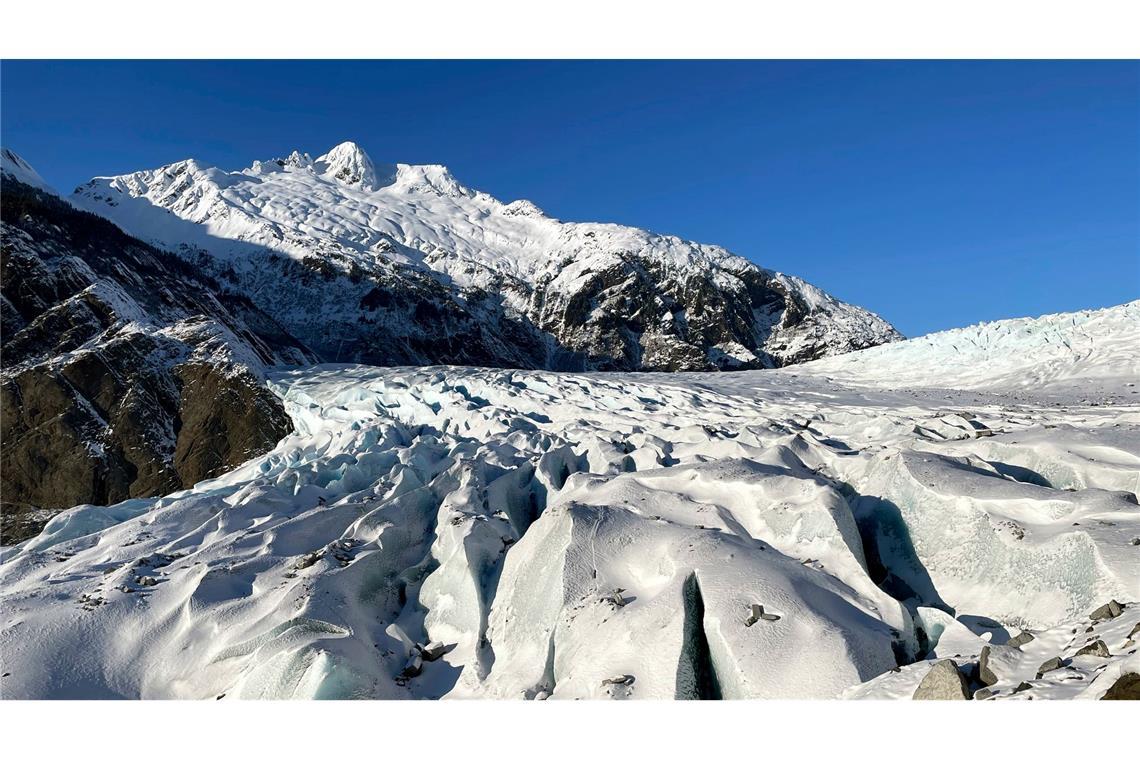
x,y
402,264
348,164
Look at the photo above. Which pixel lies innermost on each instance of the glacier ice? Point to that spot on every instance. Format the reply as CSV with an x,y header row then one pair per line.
x,y
459,532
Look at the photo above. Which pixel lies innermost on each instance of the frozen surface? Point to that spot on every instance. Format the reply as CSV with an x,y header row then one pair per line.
x,y
457,532
1085,353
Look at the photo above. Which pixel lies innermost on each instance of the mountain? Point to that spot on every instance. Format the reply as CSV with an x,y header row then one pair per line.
x,y
838,529
16,169
126,371
114,347
402,264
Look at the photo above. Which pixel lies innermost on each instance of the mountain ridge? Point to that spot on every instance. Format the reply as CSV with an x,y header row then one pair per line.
x,y
590,295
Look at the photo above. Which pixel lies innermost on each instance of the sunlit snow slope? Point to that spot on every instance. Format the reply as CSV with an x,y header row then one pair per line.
x,y
16,168
451,532
1093,351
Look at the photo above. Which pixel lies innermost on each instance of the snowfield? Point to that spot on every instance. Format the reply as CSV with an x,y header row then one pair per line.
x,y
1080,353
832,530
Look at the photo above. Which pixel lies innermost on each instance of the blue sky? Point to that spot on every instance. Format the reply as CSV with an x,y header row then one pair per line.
x,y
937,194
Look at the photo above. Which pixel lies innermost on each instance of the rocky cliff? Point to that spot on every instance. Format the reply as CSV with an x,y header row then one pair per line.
x,y
125,371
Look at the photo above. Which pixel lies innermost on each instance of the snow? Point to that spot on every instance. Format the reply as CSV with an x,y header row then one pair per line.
x,y
16,168
349,165
1064,352
605,536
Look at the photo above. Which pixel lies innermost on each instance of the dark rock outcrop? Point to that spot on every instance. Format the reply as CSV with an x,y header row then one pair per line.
x,y
640,314
1126,687
124,371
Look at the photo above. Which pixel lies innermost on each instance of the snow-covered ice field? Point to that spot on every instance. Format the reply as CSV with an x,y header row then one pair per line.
x,y
823,531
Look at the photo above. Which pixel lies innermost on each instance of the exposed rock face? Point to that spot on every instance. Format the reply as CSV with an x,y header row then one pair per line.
x,y
125,372
641,314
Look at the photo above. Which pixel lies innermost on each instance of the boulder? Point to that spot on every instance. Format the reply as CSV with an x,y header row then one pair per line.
x,y
1126,687
943,682
1051,664
618,680
432,651
757,613
753,615
996,663
1021,639
1095,649
1107,611
413,668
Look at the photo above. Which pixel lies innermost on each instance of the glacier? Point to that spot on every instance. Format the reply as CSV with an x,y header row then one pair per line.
x,y
833,529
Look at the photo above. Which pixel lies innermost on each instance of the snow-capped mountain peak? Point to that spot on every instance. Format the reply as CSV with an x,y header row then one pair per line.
x,y
431,178
298,160
348,164
521,207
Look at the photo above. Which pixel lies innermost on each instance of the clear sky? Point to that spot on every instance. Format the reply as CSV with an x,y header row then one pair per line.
x,y
937,194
